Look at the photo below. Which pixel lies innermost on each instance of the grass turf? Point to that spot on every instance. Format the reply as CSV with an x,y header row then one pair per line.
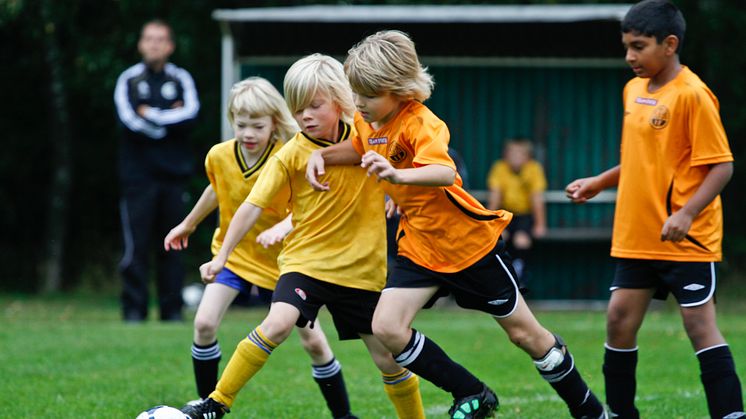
x,y
72,357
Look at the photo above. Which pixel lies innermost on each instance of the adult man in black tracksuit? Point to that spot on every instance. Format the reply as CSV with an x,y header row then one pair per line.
x,y
155,102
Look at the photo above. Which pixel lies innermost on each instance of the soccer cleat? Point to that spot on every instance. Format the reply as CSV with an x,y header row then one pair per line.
x,y
206,409
477,406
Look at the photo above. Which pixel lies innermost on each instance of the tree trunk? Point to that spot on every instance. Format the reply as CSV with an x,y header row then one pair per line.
x,y
59,148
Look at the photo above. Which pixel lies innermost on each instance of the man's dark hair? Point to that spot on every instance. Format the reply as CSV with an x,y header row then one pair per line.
x,y
658,18
159,22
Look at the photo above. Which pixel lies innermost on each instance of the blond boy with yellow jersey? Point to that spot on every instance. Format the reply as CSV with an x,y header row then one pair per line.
x,y
668,224
448,242
335,254
261,121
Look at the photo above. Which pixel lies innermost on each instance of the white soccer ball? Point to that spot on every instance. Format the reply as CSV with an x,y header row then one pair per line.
x,y
192,295
162,412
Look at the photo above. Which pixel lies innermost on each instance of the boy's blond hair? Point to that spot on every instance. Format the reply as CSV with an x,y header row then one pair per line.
x,y
387,62
318,73
257,97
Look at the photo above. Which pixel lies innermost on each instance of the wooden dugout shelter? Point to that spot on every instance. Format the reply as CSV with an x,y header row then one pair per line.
x,y
551,73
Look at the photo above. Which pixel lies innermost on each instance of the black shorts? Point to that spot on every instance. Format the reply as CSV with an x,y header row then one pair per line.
x,y
351,308
691,283
489,285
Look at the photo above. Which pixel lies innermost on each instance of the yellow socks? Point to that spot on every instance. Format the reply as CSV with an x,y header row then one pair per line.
x,y
403,389
249,357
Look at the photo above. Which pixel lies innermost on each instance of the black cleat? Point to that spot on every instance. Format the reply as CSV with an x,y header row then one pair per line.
x,y
477,406
206,409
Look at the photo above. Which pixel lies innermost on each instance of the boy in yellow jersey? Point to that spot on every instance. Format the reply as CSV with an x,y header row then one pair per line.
x,y
261,123
668,223
517,184
448,242
335,254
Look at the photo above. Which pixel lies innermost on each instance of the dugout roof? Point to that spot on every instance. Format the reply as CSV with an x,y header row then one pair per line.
x,y
442,32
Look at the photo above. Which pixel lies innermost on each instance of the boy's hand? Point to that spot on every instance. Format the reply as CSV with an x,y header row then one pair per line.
x,y
676,227
581,190
272,235
178,237
314,170
379,166
209,270
391,208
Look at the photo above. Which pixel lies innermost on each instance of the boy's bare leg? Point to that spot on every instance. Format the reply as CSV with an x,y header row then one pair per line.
x,y
552,359
392,326
326,370
206,352
626,311
718,371
401,386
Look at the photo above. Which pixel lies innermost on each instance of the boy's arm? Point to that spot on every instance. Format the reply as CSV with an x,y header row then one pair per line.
x,y
242,222
340,154
178,237
581,190
494,199
678,224
276,233
538,209
430,175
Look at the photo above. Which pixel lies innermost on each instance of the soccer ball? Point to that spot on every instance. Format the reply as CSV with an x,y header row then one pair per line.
x,y
162,412
192,294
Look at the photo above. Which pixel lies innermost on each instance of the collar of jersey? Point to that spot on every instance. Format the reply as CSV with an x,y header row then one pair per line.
x,y
245,169
344,134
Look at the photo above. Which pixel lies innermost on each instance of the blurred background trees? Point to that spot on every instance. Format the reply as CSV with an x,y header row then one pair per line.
x,y
59,221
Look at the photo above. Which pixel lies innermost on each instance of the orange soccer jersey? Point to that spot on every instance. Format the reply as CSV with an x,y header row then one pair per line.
x,y
669,138
442,228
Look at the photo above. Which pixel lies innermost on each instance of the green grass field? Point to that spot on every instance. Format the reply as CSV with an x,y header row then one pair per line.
x,y
66,357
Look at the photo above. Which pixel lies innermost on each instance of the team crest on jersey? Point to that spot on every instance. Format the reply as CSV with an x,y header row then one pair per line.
x,y
397,153
378,141
301,294
143,89
168,90
659,118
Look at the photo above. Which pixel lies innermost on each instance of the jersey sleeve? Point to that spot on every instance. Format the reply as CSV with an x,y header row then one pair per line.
x,y
272,182
707,135
429,139
356,138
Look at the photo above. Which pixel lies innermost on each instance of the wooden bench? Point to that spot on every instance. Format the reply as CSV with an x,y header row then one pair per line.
x,y
560,234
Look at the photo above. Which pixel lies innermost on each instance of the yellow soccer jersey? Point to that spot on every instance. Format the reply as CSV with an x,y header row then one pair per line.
x,y
338,236
669,138
517,188
232,181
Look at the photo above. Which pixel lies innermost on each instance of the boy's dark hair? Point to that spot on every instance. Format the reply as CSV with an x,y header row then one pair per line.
x,y
658,18
162,23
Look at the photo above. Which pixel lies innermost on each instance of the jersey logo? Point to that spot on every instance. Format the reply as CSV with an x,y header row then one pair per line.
x,y
378,141
498,301
646,101
397,153
659,118
143,89
168,90
301,294
694,287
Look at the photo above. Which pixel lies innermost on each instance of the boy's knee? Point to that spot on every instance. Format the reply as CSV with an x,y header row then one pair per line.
x,y
205,329
277,330
389,334
314,346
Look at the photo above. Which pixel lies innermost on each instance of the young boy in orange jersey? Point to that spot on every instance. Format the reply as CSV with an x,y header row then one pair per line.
x,y
335,254
448,242
668,223
261,123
